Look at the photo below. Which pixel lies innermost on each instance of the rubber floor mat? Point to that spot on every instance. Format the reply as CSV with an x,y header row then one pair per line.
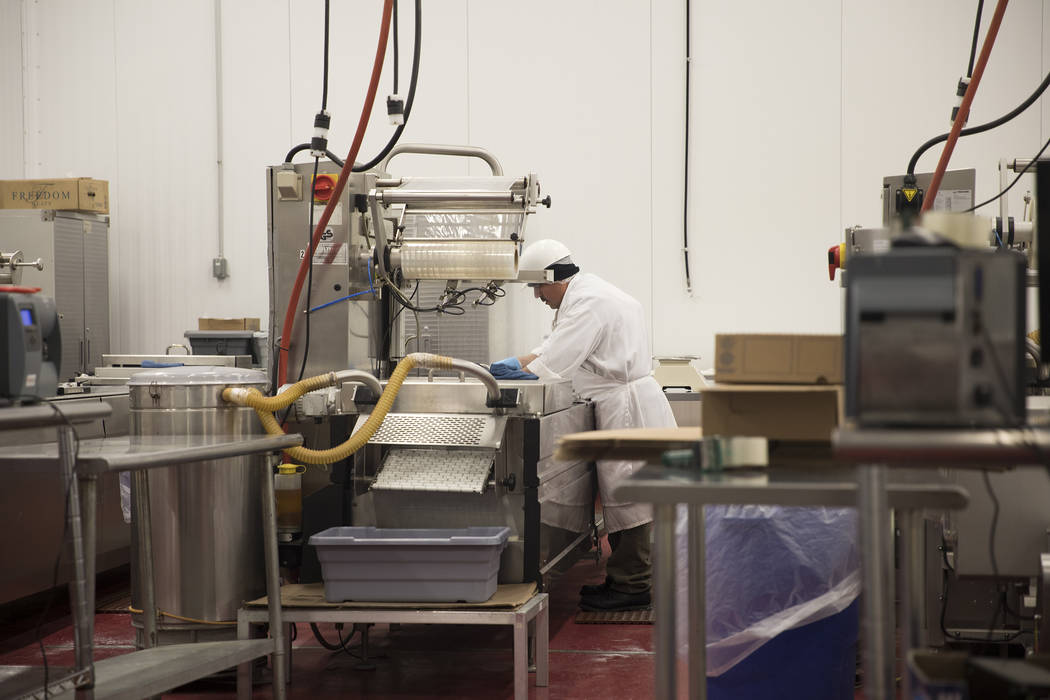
x,y
617,617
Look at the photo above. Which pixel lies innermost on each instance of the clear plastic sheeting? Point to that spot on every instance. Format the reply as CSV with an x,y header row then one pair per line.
x,y
459,220
459,260
462,225
769,569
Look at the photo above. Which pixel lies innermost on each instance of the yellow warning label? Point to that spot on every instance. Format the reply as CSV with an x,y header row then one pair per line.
x,y
909,193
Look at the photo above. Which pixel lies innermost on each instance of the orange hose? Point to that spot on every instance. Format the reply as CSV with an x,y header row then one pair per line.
x,y
344,177
964,108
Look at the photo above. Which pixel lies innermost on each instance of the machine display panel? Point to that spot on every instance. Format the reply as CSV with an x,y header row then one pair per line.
x,y
27,317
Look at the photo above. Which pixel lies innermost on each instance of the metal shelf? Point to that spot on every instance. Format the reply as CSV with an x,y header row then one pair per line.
x,y
787,487
153,671
128,453
43,415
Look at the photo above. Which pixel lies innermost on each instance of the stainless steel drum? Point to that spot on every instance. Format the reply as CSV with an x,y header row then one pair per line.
x,y
206,516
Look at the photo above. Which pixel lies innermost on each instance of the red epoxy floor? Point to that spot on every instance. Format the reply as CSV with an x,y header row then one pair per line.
x,y
586,661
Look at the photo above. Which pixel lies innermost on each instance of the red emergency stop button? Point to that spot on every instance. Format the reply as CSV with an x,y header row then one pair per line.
x,y
324,186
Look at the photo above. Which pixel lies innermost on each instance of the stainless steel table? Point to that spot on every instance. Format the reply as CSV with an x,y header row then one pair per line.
x,y
873,450
151,671
82,584
665,488
520,618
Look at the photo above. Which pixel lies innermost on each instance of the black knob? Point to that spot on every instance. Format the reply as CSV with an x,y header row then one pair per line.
x,y
546,201
982,395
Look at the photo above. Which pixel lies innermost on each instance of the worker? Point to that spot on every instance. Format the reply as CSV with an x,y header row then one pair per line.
x,y
599,341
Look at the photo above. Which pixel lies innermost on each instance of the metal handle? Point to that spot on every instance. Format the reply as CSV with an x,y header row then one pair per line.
x,y
38,264
447,197
438,149
80,362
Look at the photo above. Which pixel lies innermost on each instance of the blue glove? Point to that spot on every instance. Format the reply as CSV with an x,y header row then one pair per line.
x,y
509,368
504,367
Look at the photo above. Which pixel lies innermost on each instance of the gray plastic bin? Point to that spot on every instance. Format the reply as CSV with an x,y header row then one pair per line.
x,y
410,565
223,343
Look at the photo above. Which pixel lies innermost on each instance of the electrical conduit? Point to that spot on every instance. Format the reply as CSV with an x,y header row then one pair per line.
x,y
366,110
964,108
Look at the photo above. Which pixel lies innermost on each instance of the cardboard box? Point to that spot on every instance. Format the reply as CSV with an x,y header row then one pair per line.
x,y
778,358
78,194
773,411
227,324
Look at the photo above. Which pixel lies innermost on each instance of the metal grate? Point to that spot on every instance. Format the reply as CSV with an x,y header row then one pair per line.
x,y
461,471
411,429
465,336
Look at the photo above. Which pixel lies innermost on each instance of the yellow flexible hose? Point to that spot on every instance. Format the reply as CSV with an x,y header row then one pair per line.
x,y
265,406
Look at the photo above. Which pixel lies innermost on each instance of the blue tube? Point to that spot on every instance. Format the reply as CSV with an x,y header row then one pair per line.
x,y
336,301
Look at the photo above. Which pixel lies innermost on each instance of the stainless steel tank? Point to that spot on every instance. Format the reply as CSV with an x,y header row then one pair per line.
x,y
206,516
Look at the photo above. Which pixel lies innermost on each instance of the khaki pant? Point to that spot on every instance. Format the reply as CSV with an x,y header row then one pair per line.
x,y
630,566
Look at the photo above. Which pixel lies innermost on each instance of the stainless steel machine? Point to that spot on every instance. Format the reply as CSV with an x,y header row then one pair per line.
x,y
385,234
935,336
441,459
432,253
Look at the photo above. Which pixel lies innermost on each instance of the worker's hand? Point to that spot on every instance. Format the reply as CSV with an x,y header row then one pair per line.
x,y
504,367
509,368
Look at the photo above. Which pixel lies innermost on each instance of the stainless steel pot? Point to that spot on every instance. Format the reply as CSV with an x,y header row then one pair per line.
x,y
206,516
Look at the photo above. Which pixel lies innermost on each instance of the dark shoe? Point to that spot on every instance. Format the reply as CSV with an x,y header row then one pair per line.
x,y
611,600
594,589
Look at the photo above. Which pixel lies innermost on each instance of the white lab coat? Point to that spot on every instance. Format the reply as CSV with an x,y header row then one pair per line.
x,y
599,340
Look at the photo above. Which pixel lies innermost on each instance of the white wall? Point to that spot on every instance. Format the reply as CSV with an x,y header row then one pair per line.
x,y
11,100
799,110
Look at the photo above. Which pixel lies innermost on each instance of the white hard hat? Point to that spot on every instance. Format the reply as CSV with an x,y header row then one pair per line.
x,y
540,255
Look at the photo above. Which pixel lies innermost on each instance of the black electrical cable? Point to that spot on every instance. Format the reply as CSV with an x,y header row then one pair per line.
x,y
324,97
976,34
408,102
341,646
62,542
685,205
991,545
1010,611
983,127
304,146
310,204
324,88
390,328
417,44
1014,181
397,44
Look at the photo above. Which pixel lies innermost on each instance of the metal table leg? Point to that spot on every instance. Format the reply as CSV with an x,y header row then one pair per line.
x,y
273,583
697,604
521,657
80,587
664,600
878,567
89,515
912,587
543,644
244,671
144,533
